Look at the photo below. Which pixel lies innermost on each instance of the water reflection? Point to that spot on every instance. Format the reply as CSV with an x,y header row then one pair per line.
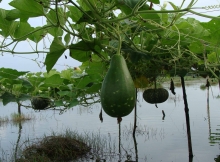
x,y
214,137
155,139
18,140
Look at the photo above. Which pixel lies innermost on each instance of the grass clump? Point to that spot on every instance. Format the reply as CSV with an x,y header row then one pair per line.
x,y
68,146
4,119
16,117
55,148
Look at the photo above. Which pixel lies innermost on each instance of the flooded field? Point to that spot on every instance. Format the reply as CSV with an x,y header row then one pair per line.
x,y
157,138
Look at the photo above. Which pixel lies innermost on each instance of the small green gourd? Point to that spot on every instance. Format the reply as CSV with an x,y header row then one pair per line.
x,y
154,96
118,94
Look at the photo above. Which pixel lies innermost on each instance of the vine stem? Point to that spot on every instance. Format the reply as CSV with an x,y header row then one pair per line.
x,y
96,14
22,37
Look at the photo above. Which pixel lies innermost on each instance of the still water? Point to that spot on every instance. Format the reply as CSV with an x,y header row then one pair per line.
x,y
158,139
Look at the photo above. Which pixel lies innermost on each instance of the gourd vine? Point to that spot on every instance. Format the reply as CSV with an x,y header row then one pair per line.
x,y
154,41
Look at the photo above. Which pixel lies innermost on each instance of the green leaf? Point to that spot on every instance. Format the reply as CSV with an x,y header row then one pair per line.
x,y
67,38
56,50
29,7
87,17
83,82
13,15
58,103
96,70
79,55
37,36
81,51
23,97
75,13
7,98
26,84
173,5
17,14
53,81
73,103
23,30
126,6
67,74
11,73
36,81
66,93
94,88
196,47
52,17
56,31
212,57
7,27
155,1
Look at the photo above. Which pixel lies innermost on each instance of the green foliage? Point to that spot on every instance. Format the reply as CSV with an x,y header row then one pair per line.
x,y
154,42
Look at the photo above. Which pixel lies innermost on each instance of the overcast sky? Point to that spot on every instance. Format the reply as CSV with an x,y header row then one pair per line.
x,y
26,63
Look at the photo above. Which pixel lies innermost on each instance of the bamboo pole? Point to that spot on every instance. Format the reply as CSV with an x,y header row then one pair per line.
x,y
187,118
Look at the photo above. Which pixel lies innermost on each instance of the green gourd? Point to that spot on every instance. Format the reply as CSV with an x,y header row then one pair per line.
x,y
154,96
118,94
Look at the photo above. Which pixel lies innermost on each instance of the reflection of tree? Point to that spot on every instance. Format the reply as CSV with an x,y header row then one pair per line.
x,y
214,137
18,140
19,131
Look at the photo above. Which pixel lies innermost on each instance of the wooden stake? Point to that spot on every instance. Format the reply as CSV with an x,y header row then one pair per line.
x,y
187,118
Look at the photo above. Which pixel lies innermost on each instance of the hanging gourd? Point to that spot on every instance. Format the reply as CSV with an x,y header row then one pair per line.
x,y
118,90
156,95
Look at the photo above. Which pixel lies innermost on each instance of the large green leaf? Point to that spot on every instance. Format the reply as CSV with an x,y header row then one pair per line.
x,y
81,51
83,82
11,73
7,98
39,35
213,28
29,7
196,47
126,6
56,50
53,81
23,97
73,103
75,13
96,70
6,27
52,17
56,31
15,14
23,30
